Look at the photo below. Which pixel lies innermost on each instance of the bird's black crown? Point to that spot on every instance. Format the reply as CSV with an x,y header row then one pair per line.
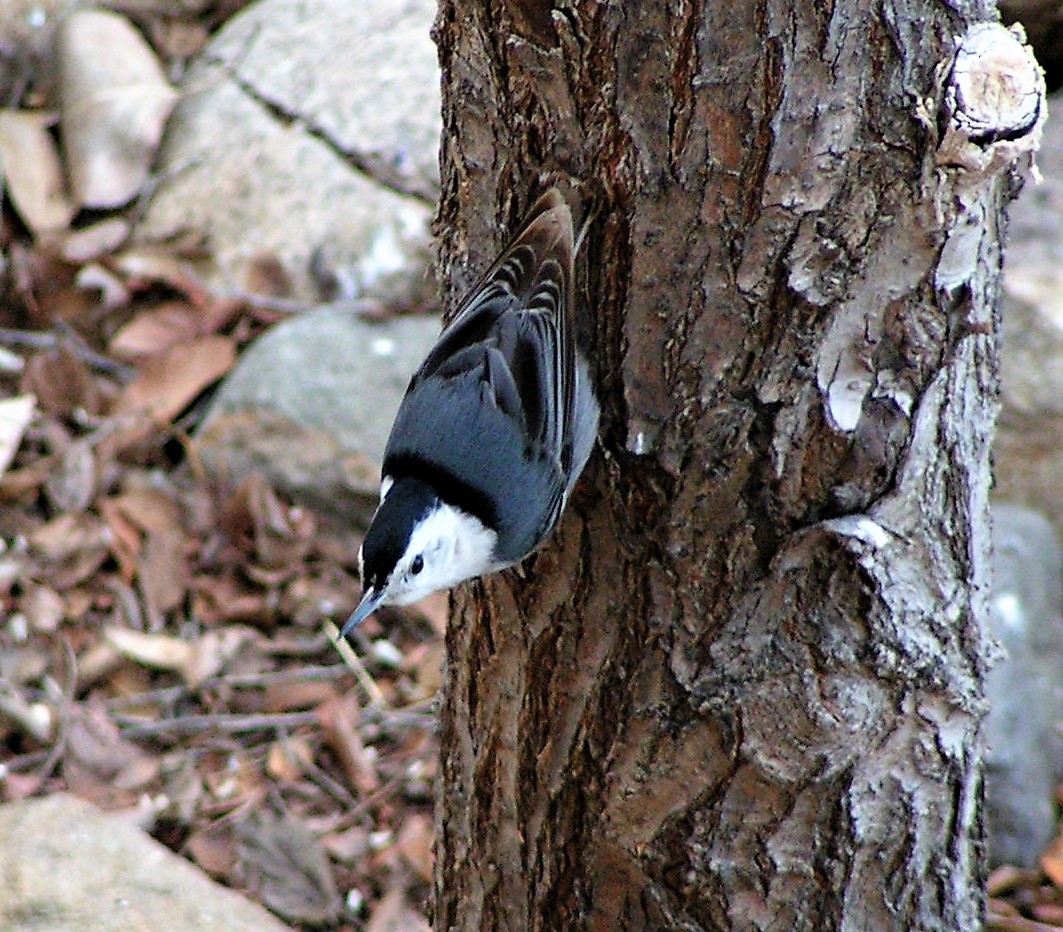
x,y
407,502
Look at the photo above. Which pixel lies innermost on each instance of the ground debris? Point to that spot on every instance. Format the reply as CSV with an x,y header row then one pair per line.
x,y
162,649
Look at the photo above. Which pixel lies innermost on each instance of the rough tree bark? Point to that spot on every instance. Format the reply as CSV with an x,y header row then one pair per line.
x,y
742,687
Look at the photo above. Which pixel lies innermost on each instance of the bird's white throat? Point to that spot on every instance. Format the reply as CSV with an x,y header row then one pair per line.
x,y
454,546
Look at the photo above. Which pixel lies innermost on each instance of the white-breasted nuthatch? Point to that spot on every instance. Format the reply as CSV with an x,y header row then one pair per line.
x,y
493,432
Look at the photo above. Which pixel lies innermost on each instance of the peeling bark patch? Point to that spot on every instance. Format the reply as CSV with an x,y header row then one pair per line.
x,y
893,271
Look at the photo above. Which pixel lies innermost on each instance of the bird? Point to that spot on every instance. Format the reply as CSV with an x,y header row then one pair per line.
x,y
495,427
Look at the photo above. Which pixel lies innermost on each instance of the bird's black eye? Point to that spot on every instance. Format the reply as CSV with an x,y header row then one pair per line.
x,y
417,565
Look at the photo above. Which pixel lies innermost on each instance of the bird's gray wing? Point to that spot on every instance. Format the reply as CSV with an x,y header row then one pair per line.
x,y
492,406
519,309
473,455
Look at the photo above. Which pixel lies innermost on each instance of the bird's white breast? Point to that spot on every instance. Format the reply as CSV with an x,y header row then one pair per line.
x,y
455,547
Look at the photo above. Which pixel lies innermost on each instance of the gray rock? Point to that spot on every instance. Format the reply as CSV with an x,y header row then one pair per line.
x,y
1028,454
1024,687
363,75
67,865
311,130
310,405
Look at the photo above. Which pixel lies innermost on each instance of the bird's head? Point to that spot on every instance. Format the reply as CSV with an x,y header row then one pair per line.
x,y
416,545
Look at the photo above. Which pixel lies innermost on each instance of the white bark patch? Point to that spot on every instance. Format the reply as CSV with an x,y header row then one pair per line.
x,y
847,372
861,527
847,386
959,255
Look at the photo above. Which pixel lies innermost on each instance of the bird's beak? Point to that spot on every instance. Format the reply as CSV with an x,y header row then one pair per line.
x,y
370,600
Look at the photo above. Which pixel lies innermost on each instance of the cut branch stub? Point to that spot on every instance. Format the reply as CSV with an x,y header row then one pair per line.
x,y
994,104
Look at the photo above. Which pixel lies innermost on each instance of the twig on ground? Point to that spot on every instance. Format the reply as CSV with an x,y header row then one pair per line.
x,y
368,684
171,694
66,702
227,723
65,335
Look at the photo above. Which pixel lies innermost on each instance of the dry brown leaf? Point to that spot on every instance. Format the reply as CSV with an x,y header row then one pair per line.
x,y
15,416
84,245
265,274
348,846
153,650
71,484
16,483
163,571
1001,907
43,607
36,719
169,382
415,845
16,786
1052,913
156,330
338,722
71,547
78,603
289,759
114,103
149,509
66,301
96,664
213,849
194,661
280,534
218,599
138,773
61,382
125,537
148,266
22,667
96,755
295,695
1016,923
112,289
1007,877
34,174
1052,861
216,649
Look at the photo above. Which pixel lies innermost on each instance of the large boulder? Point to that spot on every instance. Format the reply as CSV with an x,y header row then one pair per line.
x,y
67,865
1024,687
309,133
310,405
1028,452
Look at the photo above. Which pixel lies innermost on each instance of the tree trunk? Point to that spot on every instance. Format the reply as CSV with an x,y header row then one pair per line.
x,y
741,688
